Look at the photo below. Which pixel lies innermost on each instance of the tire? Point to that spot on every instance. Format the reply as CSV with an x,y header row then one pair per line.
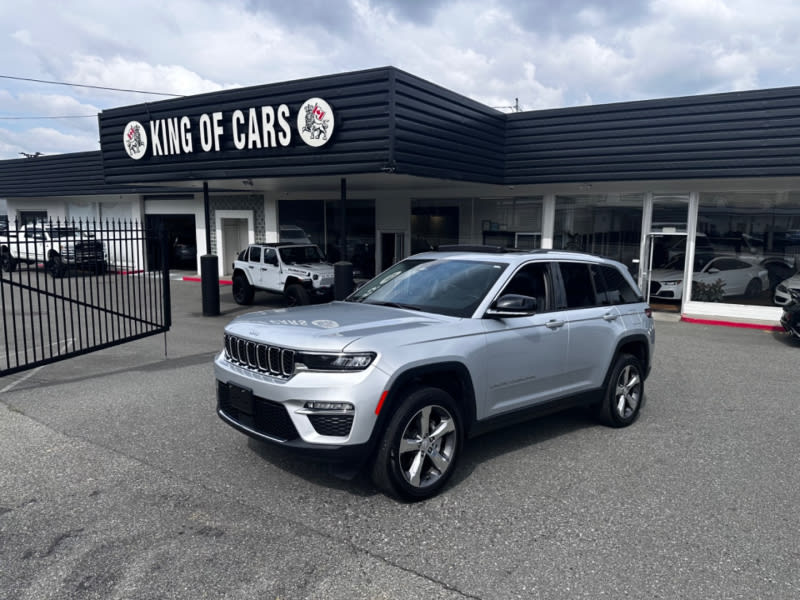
x,y
55,266
753,288
243,292
100,268
418,451
7,262
624,394
296,295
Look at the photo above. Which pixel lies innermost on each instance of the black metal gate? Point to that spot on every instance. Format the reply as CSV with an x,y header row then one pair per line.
x,y
70,288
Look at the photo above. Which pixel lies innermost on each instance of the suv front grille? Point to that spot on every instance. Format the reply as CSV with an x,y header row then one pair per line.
x,y
263,358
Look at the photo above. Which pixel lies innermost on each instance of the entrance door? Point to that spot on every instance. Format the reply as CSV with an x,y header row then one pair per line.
x,y
663,257
393,248
234,240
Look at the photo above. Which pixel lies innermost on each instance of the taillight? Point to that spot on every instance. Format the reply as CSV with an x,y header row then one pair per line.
x,y
648,312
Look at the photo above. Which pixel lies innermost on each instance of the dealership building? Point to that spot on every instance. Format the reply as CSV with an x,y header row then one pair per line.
x,y
698,196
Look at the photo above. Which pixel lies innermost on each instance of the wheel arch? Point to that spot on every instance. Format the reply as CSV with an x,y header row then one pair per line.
x,y
635,345
451,377
293,280
238,271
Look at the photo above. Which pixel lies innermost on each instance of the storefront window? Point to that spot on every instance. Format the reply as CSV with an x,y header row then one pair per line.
x,y
506,222
747,243
318,222
608,225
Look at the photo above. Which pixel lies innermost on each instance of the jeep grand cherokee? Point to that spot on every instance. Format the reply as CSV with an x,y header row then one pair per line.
x,y
440,347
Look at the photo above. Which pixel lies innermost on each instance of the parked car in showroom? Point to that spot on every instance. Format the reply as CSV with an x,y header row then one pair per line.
x,y
437,349
739,276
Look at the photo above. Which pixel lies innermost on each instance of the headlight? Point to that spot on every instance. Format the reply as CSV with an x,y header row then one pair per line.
x,y
335,362
673,282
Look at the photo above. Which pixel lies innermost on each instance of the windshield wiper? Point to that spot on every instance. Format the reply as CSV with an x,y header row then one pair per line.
x,y
395,305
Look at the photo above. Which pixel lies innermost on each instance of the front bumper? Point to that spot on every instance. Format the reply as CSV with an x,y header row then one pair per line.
x,y
273,409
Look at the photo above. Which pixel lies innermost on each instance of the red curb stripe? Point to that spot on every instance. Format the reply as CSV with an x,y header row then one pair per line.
x,y
199,280
732,324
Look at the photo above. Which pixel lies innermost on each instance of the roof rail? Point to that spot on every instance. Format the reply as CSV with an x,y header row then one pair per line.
x,y
474,248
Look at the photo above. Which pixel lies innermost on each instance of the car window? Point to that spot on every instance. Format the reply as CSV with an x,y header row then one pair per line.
x,y
531,280
728,264
616,289
270,255
578,284
255,254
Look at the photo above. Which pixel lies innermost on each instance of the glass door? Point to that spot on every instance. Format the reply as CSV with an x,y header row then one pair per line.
x,y
664,249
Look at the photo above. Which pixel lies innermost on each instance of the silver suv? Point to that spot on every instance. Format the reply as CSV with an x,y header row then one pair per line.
x,y
435,350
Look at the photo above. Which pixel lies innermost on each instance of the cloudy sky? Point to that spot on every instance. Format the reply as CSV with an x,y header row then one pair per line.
x,y
546,53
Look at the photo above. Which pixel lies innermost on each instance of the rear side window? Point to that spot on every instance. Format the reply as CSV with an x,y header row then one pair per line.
x,y
616,289
577,285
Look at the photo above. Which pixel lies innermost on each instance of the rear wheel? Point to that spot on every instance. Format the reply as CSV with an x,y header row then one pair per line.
x,y
296,295
243,292
7,262
753,288
418,451
56,266
624,392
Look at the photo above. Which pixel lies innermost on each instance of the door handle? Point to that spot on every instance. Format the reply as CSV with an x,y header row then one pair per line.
x,y
554,324
610,317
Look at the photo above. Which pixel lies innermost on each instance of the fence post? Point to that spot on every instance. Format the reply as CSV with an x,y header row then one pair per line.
x,y
165,278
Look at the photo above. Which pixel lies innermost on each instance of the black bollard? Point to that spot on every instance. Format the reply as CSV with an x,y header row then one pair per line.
x,y
209,276
342,279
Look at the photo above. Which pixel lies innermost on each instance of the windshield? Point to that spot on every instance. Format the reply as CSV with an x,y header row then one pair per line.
x,y
448,287
301,254
678,262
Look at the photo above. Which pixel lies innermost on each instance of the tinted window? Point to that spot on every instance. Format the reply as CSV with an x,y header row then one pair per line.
x,y
617,288
531,280
448,287
255,254
577,285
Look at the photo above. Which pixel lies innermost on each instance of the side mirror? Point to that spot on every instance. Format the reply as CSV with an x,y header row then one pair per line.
x,y
512,305
713,270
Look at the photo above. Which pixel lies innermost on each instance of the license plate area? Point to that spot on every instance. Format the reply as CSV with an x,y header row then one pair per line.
x,y
240,399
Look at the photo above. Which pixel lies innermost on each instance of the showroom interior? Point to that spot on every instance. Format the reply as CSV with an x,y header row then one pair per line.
x,y
699,197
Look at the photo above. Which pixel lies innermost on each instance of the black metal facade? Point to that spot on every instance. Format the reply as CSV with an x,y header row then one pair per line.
x,y
360,143
740,134
66,298
75,174
388,121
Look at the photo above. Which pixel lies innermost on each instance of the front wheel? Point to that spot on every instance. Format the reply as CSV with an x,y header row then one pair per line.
x,y
624,392
243,292
418,451
297,295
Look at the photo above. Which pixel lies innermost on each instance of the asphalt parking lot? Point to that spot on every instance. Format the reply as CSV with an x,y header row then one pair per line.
x,y
117,480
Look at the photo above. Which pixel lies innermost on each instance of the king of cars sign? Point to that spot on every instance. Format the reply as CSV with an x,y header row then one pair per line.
x,y
247,129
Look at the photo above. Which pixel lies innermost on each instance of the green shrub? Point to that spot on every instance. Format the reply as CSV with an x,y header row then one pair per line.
x,y
708,292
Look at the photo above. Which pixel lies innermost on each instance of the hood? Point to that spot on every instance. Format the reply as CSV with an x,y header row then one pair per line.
x,y
303,268
327,327
793,282
666,275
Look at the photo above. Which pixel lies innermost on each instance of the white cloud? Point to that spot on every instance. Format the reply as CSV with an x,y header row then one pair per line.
x,y
547,54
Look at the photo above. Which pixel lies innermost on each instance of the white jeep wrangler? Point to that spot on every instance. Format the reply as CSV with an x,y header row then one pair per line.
x,y
298,271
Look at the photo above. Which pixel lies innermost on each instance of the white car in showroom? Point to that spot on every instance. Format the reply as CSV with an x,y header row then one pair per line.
x,y
740,277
